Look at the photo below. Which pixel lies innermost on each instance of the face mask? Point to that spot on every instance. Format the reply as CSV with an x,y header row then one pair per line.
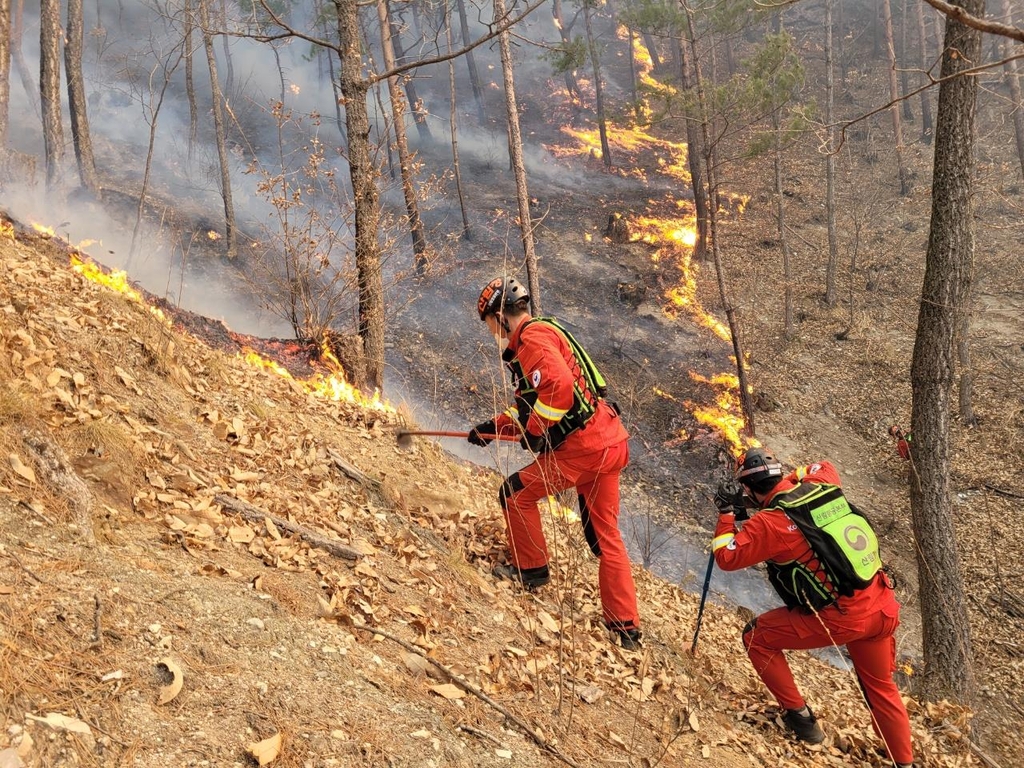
x,y
501,341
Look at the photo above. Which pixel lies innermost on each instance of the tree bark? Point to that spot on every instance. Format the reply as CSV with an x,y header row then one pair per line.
x,y
221,137
694,158
787,269
908,113
77,99
949,273
467,233
595,62
832,264
1013,81
18,56
894,93
50,35
419,114
229,66
515,145
419,242
926,99
365,194
563,32
5,71
190,84
474,75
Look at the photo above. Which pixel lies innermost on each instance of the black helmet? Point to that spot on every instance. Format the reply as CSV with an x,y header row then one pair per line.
x,y
500,293
758,469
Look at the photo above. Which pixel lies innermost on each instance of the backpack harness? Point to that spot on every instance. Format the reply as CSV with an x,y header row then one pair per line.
x,y
843,549
589,386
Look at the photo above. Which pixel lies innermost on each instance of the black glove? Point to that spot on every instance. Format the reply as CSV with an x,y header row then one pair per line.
x,y
482,434
534,443
729,499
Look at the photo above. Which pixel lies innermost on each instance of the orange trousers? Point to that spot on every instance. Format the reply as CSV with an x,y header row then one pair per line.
x,y
595,476
871,643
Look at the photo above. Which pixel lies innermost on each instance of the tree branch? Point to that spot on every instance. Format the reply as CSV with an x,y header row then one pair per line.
x,y
957,13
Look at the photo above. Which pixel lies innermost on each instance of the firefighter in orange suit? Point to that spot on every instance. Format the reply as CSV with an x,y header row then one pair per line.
x,y
577,441
822,559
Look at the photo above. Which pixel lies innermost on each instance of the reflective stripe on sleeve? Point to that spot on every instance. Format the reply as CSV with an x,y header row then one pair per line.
x,y
545,411
512,413
722,541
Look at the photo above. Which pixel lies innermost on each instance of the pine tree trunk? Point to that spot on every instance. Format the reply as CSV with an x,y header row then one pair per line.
x,y
569,75
467,233
515,142
229,66
77,98
5,71
419,114
18,56
908,113
830,163
926,99
474,75
894,110
50,36
190,83
221,135
595,62
1013,81
949,273
419,242
694,159
365,195
746,400
787,269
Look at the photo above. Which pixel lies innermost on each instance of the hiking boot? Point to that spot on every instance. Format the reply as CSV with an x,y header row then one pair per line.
x,y
805,727
629,639
530,578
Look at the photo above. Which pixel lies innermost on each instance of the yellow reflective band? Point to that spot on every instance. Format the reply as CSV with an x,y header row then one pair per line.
x,y
547,412
513,412
801,473
722,541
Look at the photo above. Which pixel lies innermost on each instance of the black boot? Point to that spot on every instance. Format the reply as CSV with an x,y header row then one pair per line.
x,y
805,727
530,578
629,639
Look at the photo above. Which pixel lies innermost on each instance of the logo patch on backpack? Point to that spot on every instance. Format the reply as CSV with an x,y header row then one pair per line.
x,y
535,379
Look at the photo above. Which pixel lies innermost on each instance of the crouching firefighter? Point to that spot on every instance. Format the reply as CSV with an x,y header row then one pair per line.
x,y
822,559
576,439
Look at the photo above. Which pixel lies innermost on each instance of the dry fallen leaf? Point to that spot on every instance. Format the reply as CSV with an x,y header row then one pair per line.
x,y
448,691
172,689
266,751
19,466
693,721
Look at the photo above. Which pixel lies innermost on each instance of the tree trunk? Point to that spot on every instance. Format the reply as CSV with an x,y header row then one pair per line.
x,y
694,159
190,84
365,195
229,67
746,400
569,75
908,113
419,242
474,75
652,50
467,233
787,269
5,71
926,99
842,47
419,114
830,163
18,56
966,368
77,99
595,62
894,110
50,36
949,272
1013,81
515,145
218,123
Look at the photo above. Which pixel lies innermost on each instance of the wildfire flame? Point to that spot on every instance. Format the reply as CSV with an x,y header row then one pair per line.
x,y
44,230
116,281
6,229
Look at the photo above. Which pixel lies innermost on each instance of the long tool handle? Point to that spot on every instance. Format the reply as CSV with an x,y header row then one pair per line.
x,y
441,433
703,600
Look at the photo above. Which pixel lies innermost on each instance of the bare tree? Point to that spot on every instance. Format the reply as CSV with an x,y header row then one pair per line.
x,y
77,100
949,274
474,75
188,23
453,118
595,63
894,111
50,36
419,113
221,136
515,144
405,162
830,162
1013,82
5,71
568,73
926,99
18,56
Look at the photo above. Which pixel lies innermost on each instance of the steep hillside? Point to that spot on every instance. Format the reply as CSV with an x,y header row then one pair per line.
x,y
202,560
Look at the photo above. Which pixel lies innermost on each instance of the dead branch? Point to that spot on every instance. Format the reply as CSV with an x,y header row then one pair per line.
x,y
468,687
23,567
984,25
982,755
97,622
257,515
353,473
479,734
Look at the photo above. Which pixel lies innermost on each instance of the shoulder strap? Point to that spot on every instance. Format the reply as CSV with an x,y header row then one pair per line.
x,y
595,380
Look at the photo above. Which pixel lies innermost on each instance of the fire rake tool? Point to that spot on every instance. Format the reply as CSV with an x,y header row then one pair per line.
x,y
703,600
404,436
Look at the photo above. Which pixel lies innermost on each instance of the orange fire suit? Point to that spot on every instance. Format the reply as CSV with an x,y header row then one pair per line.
x,y
588,459
864,622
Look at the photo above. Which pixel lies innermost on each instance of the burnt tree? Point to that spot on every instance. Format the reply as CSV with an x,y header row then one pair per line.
x,y
50,36
949,274
77,100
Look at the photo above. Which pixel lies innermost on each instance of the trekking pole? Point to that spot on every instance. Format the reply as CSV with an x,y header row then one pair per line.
x,y
703,600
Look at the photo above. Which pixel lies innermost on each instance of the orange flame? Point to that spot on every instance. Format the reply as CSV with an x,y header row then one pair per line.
x,y
6,229
43,229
